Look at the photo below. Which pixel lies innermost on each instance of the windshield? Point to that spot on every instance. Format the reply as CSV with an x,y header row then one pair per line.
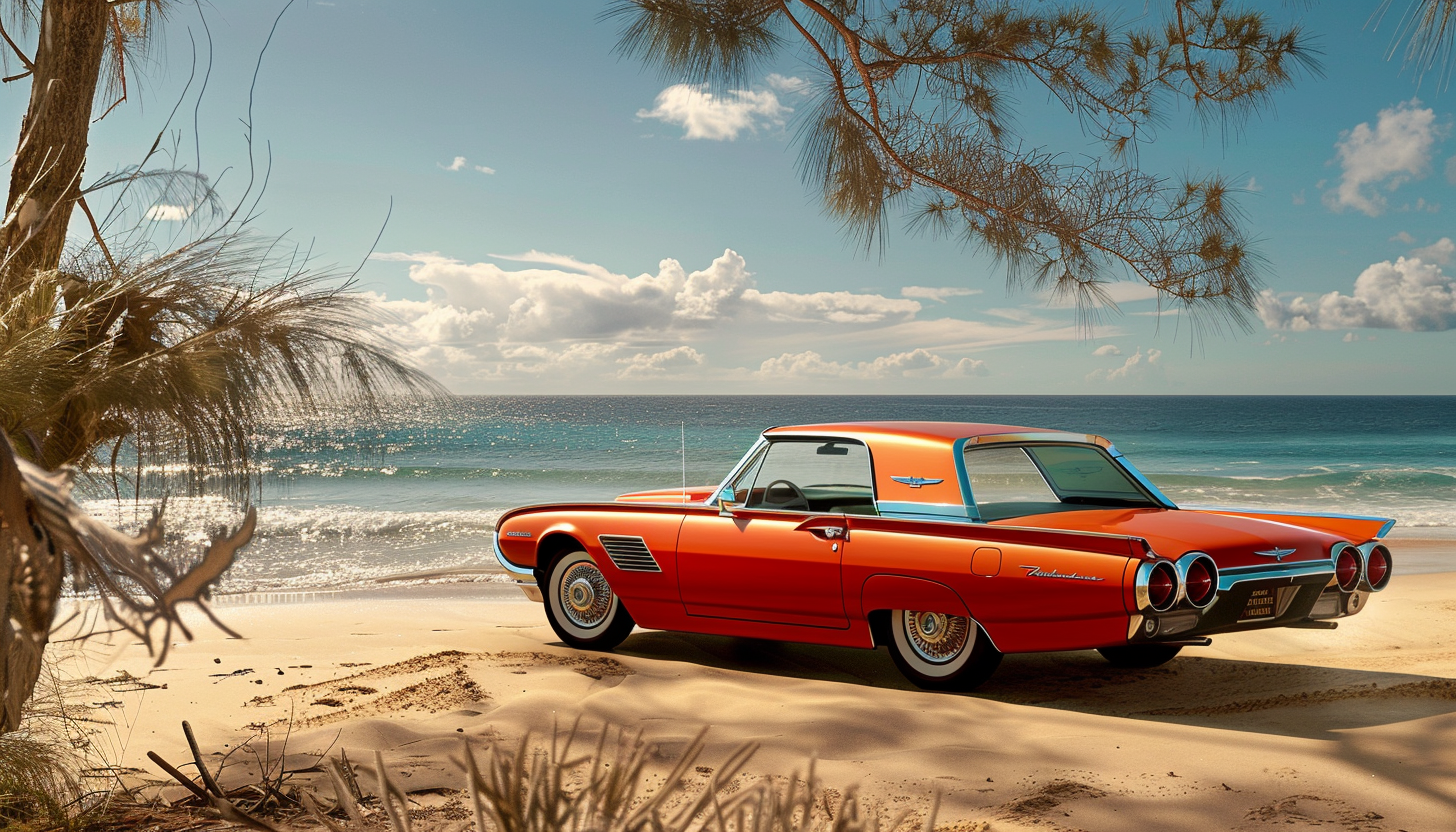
x,y
1038,479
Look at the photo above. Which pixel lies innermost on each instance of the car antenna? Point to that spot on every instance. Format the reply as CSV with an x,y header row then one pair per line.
x,y
683,451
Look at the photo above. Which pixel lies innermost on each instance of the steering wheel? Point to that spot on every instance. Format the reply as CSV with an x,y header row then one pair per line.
x,y
798,500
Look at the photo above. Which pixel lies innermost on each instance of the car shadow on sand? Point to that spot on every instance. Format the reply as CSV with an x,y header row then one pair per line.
x,y
1263,697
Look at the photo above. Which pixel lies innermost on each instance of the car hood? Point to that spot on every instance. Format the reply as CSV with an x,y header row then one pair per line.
x,y
1231,540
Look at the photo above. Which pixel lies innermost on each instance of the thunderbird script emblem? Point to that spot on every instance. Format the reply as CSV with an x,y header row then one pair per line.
x,y
1276,553
916,482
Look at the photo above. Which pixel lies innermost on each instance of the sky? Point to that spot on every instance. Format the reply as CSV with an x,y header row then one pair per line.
x,y
563,220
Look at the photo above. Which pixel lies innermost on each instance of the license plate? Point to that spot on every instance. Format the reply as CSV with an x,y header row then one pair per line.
x,y
1261,604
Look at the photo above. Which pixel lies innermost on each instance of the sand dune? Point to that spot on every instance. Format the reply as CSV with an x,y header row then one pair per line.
x,y
1289,729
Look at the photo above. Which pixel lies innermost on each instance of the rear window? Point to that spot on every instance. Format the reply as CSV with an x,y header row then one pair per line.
x,y
1038,479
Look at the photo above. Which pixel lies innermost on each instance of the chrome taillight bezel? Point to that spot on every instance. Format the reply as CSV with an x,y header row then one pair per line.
x,y
1337,553
1186,563
1143,580
1383,552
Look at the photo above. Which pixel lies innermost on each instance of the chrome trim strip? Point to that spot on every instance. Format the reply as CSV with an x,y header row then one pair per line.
x,y
1039,436
1138,476
736,470
1333,515
1228,578
514,569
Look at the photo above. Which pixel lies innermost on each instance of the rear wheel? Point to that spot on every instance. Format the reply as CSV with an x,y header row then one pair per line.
x,y
581,606
937,651
1140,655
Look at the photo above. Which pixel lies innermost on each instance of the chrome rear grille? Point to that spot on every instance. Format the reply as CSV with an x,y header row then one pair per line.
x,y
629,554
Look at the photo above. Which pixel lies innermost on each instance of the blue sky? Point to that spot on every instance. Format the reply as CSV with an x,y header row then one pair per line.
x,y
565,221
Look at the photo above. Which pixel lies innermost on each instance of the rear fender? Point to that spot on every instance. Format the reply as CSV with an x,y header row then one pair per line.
x,y
898,592
1354,528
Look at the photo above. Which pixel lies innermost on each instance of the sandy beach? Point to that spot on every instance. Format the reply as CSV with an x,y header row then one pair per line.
x,y
1289,729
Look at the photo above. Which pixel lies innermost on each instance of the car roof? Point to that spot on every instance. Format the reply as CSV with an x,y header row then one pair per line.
x,y
937,432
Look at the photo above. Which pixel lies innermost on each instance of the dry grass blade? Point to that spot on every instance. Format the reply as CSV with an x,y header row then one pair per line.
x,y
346,788
396,805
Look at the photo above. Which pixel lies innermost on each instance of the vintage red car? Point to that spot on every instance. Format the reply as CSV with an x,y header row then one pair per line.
x,y
949,543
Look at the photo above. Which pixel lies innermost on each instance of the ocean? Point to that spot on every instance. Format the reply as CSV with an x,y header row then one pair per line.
x,y
350,502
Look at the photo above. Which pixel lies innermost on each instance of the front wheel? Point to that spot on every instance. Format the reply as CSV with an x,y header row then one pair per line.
x,y
581,607
1140,655
937,651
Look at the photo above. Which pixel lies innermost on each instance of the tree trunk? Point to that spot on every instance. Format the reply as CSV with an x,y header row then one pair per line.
x,y
45,183
46,179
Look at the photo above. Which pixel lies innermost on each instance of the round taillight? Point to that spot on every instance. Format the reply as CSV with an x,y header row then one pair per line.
x,y
1199,582
1347,568
1377,568
1162,587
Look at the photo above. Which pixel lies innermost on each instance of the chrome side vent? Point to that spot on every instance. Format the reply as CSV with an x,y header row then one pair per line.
x,y
629,554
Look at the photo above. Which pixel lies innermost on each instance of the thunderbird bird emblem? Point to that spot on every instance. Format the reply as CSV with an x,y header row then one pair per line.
x,y
916,482
1276,553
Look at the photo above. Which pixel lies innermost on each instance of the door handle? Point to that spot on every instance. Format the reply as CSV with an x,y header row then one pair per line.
x,y
825,528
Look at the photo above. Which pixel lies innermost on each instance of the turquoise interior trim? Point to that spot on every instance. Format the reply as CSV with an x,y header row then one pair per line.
x,y
917,511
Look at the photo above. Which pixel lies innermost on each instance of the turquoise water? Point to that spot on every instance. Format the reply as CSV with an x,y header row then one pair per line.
x,y
347,501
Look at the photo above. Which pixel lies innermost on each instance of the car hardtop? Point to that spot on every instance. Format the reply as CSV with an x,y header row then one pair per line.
x,y
939,433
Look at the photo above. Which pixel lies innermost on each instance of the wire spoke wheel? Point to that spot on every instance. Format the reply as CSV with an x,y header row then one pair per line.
x,y
936,637
585,597
940,651
581,606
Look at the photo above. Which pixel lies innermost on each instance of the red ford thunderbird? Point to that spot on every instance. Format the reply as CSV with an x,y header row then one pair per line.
x,y
949,543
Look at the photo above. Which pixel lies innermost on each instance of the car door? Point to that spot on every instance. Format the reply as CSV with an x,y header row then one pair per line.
x,y
775,556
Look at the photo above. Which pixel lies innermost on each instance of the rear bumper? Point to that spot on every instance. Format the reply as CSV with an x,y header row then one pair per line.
x,y
1253,598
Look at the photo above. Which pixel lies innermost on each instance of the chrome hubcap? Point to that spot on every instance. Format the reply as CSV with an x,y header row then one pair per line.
x,y
937,637
585,596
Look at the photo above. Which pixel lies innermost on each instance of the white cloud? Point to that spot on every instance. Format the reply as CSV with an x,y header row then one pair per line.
x,y
539,320
1117,291
558,298
661,364
1350,338
1107,349
1139,366
703,115
938,293
788,84
917,363
1253,185
169,213
1403,237
1409,295
460,163
1386,156
1297,199
1439,252
1421,205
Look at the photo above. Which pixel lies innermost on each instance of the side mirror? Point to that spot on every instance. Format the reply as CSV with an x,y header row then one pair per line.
x,y
727,501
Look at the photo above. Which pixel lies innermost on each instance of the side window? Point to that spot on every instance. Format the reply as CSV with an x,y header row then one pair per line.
x,y
1004,480
814,475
